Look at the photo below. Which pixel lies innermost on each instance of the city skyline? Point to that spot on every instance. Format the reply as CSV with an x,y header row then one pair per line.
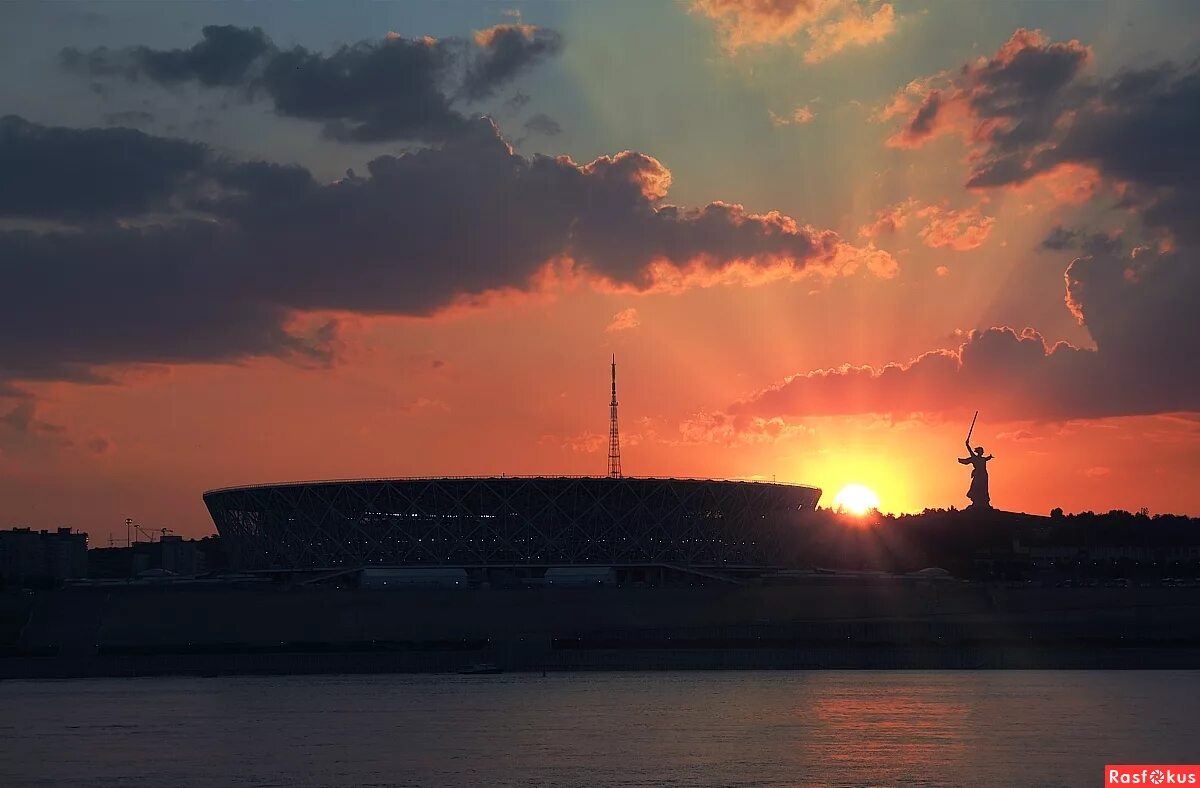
x,y
250,244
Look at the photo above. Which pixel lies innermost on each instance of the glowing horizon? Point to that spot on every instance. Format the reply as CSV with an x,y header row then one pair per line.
x,y
819,239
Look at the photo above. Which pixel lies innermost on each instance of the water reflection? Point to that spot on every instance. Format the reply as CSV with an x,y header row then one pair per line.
x,y
668,729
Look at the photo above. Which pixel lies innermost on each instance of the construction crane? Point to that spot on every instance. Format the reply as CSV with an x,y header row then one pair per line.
x,y
133,528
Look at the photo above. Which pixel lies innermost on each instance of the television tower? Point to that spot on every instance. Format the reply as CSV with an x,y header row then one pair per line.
x,y
614,438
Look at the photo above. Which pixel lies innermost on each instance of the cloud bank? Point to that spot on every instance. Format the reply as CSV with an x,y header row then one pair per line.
x,y
389,89
1030,111
186,255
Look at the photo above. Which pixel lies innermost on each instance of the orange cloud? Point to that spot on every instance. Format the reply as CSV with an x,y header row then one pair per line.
x,y
1017,436
830,26
586,443
624,320
732,431
646,172
1066,184
889,220
799,116
959,229
953,229
589,442
855,27
877,261
491,36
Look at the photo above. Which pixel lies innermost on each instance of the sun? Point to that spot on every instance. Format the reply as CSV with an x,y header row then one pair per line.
x,y
856,499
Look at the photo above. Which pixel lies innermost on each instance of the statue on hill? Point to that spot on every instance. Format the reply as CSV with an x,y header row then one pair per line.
x,y
978,493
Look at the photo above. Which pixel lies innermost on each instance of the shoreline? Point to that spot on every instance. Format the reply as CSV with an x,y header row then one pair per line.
x,y
1132,657
812,626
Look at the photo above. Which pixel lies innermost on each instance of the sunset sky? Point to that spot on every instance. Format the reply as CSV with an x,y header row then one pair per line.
x,y
268,242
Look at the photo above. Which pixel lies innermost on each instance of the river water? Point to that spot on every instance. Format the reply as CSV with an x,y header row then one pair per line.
x,y
849,728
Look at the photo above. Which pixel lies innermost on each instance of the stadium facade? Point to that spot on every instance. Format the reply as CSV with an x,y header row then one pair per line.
x,y
497,522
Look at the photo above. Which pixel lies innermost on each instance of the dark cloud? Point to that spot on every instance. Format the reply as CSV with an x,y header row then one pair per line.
x,y
517,101
1024,77
223,57
253,244
23,418
1031,110
88,175
1009,374
240,184
60,173
1142,129
367,92
503,52
1140,309
22,427
543,124
1143,312
124,295
1061,238
394,88
921,125
1003,104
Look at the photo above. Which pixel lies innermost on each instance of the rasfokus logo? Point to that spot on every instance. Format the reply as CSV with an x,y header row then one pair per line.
x,y
1151,774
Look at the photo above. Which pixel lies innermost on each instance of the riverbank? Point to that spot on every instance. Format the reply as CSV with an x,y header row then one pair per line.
x,y
867,624
1134,657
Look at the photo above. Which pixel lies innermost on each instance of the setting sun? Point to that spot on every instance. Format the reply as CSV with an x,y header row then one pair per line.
x,y
856,499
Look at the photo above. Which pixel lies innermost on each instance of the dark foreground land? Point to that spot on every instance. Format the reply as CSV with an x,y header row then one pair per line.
x,y
1115,590
817,622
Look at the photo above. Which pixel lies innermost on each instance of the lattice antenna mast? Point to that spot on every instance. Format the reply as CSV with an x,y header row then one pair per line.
x,y
614,437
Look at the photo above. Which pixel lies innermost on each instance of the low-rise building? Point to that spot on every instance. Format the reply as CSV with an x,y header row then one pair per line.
x,y
31,558
170,555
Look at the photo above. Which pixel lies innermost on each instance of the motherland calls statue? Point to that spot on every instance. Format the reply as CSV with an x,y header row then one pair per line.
x,y
980,496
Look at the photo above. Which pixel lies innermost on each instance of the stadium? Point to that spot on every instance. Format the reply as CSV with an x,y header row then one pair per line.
x,y
482,524
512,528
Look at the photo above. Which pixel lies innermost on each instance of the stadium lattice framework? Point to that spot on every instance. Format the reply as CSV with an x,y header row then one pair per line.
x,y
510,521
